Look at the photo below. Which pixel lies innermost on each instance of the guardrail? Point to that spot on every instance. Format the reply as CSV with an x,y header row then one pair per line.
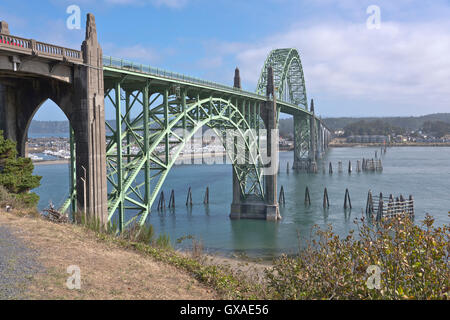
x,y
141,68
15,41
38,48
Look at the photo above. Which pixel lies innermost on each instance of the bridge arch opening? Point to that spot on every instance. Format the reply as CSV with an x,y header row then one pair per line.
x,y
46,141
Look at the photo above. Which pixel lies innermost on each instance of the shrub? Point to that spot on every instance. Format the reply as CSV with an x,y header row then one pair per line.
x,y
16,174
413,261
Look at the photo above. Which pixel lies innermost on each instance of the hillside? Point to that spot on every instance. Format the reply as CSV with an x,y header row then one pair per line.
x,y
407,123
286,125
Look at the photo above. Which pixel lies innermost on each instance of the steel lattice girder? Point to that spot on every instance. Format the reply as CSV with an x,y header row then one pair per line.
x,y
302,137
162,114
288,77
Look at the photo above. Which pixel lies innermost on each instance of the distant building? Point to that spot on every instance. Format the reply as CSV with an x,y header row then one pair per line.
x,y
368,139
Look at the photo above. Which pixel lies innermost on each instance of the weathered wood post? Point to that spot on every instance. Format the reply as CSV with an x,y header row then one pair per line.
x,y
340,167
331,168
162,201
390,208
411,205
402,205
380,210
347,201
358,166
350,169
369,205
326,200
172,199
287,168
189,197
282,199
206,199
307,197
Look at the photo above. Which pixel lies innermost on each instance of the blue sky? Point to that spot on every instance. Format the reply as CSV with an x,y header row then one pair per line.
x,y
400,69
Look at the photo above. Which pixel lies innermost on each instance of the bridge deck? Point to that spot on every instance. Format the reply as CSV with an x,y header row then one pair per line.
x,y
114,68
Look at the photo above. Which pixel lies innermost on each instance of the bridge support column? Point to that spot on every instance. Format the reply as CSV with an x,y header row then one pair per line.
x,y
236,204
252,207
312,165
89,125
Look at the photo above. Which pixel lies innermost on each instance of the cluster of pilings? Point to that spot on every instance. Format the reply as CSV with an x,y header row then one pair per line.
x,y
361,166
389,207
189,202
326,199
373,165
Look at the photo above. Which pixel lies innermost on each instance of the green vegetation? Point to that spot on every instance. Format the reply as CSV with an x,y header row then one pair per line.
x,y
408,123
437,129
368,128
413,261
16,174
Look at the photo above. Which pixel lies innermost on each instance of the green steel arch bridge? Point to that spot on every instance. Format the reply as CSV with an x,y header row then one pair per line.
x,y
118,168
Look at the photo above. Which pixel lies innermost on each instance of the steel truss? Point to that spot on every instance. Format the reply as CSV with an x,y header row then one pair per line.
x,y
141,150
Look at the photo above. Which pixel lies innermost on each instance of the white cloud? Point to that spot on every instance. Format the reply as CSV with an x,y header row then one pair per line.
x,y
403,63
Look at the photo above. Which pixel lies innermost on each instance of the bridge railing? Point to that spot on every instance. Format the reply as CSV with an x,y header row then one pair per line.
x,y
30,46
16,42
141,68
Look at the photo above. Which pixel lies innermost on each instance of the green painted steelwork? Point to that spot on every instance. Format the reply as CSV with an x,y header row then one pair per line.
x,y
288,77
159,112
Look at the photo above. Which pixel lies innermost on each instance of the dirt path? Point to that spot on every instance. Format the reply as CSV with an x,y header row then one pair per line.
x,y
107,271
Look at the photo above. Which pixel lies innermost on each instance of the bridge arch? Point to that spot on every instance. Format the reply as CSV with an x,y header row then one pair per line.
x,y
289,80
168,115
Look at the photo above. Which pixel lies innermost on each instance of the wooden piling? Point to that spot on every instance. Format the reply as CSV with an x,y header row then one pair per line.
x,y
350,169
358,166
206,199
340,167
172,199
326,200
390,206
282,199
347,200
287,168
369,205
331,168
162,201
307,197
189,197
380,210
411,205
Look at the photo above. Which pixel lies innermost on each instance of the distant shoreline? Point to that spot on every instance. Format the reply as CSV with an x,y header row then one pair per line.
x,y
378,145
50,162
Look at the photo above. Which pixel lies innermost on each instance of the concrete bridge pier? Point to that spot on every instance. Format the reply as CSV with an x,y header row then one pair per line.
x,y
90,137
77,88
252,207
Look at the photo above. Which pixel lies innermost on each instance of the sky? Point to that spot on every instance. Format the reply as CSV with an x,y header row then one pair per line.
x,y
351,69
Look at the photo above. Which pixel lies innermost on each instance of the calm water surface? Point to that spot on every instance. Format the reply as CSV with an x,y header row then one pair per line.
x,y
421,172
